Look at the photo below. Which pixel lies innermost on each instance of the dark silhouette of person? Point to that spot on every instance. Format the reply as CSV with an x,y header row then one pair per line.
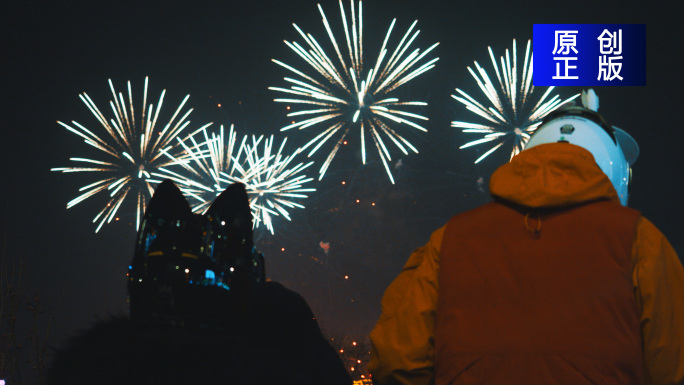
x,y
201,311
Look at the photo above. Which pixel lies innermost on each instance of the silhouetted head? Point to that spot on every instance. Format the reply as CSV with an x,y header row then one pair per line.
x,y
191,269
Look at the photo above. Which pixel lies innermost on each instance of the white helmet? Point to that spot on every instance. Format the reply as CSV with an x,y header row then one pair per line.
x,y
614,150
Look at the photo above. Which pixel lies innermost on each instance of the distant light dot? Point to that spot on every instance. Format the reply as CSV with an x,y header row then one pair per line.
x,y
352,369
373,204
357,201
358,361
341,350
117,218
354,343
219,104
288,107
347,277
345,142
282,249
343,182
293,122
187,271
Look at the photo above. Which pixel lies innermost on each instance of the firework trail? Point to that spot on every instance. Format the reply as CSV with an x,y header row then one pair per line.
x,y
512,114
131,148
336,98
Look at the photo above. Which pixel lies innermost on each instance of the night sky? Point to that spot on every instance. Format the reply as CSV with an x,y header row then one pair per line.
x,y
220,53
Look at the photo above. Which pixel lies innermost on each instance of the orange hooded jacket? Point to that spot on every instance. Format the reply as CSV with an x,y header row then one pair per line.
x,y
551,176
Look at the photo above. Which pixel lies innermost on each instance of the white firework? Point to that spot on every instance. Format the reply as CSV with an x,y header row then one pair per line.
x,y
207,167
213,162
512,114
131,148
274,182
336,98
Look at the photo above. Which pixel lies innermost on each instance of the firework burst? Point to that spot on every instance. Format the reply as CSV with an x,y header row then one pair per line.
x,y
131,148
512,115
274,182
213,162
207,166
345,96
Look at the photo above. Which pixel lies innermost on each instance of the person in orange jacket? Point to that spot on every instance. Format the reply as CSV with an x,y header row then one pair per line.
x,y
555,281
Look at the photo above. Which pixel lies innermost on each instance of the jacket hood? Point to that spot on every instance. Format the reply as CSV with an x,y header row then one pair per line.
x,y
552,175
